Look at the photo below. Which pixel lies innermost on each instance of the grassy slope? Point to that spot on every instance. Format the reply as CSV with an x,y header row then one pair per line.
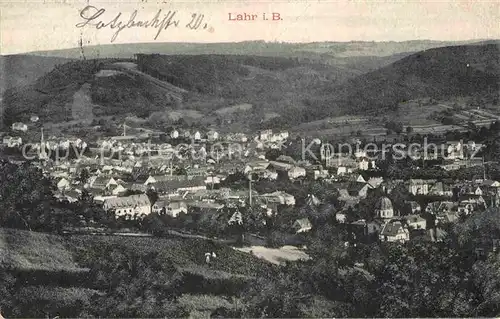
x,y
297,89
439,73
34,251
40,251
25,251
269,83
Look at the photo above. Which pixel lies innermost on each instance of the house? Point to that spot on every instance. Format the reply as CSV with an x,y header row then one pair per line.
x,y
197,136
296,172
71,196
117,189
134,206
302,225
102,182
440,207
455,150
440,189
415,221
265,135
212,135
170,207
63,184
491,183
256,165
283,135
279,197
360,179
364,164
361,228
340,218
357,189
236,218
466,207
414,207
19,126
174,134
394,231
478,191
375,182
286,159
419,186
178,186
205,206
10,141
212,180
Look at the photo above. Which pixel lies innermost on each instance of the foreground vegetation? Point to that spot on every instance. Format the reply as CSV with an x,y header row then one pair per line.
x,y
44,274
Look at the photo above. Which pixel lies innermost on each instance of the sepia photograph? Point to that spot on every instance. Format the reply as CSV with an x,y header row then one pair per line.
x,y
249,159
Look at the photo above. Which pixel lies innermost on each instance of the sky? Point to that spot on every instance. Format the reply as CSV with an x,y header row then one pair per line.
x,y
35,25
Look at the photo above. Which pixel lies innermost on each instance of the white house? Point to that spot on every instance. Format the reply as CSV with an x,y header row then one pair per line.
x,y
63,184
236,218
118,189
10,141
419,186
197,136
19,126
134,206
174,134
280,197
171,208
296,172
265,135
364,164
212,180
478,191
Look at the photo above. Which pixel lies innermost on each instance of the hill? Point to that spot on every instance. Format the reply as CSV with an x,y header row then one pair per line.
x,y
162,83
283,90
87,276
440,73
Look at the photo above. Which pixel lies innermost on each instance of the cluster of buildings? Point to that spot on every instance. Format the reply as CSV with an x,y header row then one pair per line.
x,y
447,201
193,178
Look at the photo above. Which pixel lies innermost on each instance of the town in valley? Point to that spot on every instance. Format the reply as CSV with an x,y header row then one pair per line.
x,y
184,185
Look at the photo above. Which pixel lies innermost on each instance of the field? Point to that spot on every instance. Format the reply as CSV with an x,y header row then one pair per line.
x,y
276,255
29,250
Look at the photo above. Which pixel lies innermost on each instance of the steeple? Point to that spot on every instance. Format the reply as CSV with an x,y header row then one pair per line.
x,y
42,154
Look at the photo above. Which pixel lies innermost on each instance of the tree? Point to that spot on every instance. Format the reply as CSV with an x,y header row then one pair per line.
x,y
26,197
280,297
84,176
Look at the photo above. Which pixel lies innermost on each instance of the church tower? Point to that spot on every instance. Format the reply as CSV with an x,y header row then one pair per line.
x,y
42,154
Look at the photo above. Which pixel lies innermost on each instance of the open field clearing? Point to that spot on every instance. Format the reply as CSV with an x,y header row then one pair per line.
x,y
276,255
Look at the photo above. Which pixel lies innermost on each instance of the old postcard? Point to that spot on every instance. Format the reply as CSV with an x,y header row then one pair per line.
x,y
251,158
